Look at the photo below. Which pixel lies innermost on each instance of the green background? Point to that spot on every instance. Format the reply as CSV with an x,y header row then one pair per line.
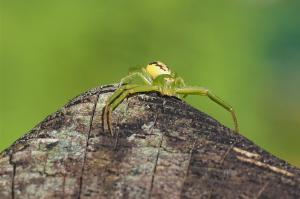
x,y
246,51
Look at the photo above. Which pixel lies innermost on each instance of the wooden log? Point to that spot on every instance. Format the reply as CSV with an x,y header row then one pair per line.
x,y
164,149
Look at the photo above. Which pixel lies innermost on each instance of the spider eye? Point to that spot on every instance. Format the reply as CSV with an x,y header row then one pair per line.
x,y
157,68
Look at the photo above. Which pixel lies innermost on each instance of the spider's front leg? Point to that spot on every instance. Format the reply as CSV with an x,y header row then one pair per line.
x,y
134,75
112,98
205,92
179,83
120,95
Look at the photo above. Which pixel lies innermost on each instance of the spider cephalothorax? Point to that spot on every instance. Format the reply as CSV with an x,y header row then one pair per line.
x,y
157,77
157,68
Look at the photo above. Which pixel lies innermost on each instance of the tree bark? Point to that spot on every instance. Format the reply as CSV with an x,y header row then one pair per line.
x,y
164,148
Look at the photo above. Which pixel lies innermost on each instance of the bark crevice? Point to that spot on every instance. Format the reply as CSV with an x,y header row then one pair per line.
x,y
86,147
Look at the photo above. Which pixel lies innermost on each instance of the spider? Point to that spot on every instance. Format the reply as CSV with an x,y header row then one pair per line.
x,y
157,77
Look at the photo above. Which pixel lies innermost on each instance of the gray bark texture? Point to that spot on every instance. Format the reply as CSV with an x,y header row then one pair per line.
x,y
164,149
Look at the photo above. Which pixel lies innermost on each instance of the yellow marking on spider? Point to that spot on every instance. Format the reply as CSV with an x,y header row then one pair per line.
x,y
157,68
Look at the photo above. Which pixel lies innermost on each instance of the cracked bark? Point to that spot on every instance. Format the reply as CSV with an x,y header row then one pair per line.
x,y
165,149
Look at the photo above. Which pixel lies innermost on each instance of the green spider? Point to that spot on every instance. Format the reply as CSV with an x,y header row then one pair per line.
x,y
156,77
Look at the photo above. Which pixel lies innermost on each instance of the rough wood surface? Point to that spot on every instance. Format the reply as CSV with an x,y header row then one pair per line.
x,y
165,149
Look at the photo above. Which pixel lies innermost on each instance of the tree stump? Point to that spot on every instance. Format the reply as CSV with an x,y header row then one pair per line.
x,y
164,148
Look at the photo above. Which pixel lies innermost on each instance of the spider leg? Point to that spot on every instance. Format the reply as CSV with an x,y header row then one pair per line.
x,y
205,92
179,83
133,75
113,97
122,96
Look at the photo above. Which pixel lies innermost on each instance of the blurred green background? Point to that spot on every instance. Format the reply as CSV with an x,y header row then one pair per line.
x,y
246,51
